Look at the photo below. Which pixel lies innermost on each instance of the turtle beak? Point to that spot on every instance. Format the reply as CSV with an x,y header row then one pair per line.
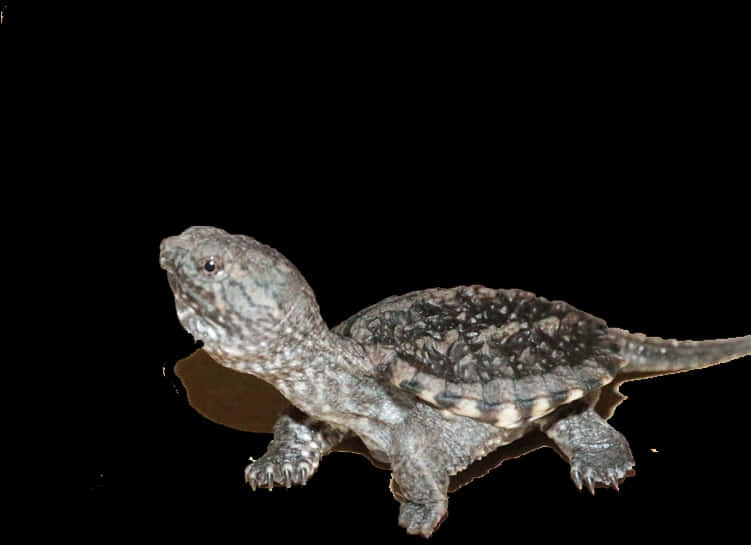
x,y
169,249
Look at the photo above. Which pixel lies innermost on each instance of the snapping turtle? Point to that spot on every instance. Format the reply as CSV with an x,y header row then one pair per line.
x,y
429,381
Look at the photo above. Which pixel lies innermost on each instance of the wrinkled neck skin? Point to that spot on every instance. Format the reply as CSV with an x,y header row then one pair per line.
x,y
323,374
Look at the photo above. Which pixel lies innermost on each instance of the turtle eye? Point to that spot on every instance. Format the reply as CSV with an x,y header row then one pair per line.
x,y
210,266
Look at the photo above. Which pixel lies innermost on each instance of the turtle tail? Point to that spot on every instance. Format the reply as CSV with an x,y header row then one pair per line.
x,y
652,354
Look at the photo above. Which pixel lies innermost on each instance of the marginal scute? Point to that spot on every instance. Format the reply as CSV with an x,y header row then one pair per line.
x,y
501,356
558,397
541,407
411,386
508,416
471,390
498,389
446,399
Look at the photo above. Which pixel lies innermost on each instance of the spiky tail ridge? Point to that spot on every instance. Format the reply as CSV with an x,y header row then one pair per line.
x,y
647,354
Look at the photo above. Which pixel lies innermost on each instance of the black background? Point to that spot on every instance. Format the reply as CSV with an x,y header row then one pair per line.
x,y
667,265
621,195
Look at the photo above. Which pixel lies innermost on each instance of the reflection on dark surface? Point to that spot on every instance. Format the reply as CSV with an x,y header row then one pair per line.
x,y
243,402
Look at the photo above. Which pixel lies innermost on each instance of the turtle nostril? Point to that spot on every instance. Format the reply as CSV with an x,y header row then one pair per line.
x,y
167,251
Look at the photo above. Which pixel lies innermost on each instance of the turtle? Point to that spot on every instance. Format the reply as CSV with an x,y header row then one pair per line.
x,y
429,381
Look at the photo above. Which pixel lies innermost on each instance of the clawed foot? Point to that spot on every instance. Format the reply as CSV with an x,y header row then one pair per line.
x,y
600,469
285,471
419,518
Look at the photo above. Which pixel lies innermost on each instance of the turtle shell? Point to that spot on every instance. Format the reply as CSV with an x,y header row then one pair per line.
x,y
500,356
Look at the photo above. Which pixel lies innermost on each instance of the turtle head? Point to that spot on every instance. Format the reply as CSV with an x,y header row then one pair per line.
x,y
243,299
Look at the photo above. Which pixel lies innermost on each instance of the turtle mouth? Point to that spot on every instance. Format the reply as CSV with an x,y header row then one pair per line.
x,y
190,295
172,280
165,263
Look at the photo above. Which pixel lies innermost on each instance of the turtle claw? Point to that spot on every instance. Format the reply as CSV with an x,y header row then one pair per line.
x,y
266,472
595,476
422,519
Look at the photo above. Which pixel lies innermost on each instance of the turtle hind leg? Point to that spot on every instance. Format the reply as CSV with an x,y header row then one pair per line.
x,y
598,454
423,502
419,482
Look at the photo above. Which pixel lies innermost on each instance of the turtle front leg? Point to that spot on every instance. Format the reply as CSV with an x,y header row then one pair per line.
x,y
597,453
294,453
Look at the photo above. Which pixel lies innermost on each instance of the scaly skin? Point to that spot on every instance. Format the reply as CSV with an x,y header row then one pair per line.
x,y
293,455
252,292
429,381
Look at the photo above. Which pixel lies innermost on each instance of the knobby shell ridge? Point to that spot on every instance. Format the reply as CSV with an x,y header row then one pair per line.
x,y
501,356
